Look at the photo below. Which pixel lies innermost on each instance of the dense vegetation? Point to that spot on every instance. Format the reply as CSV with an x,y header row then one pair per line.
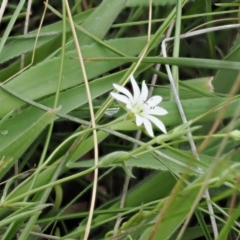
x,y
78,161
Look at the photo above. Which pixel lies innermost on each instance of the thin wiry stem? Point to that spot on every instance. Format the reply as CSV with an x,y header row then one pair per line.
x,y
126,186
202,31
176,47
118,25
26,25
141,56
158,66
16,165
94,191
34,47
45,195
40,235
190,137
214,165
138,136
2,9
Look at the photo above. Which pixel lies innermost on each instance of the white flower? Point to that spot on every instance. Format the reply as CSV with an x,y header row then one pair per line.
x,y
138,105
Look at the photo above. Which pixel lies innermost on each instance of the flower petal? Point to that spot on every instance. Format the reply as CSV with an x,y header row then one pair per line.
x,y
157,122
120,97
153,101
155,111
144,93
136,90
139,120
148,126
123,90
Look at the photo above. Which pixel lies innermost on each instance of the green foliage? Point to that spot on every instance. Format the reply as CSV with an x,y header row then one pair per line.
x,y
21,131
48,149
145,3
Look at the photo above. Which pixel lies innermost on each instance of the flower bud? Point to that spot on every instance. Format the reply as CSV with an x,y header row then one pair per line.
x,y
235,135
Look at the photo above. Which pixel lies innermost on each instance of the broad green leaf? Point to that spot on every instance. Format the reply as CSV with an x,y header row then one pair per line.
x,y
137,195
148,161
17,47
22,130
57,26
192,233
33,84
225,78
194,88
19,215
135,3
230,222
231,145
24,215
145,3
100,21
44,178
24,43
174,216
193,108
180,61
41,53
11,23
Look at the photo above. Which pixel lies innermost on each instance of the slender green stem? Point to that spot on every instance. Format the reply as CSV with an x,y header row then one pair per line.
x,y
181,61
93,122
119,25
210,36
50,185
176,47
45,195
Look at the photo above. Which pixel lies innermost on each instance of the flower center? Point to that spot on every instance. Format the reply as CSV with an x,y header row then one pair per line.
x,y
139,109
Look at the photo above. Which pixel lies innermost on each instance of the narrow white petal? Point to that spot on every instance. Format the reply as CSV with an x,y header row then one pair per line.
x,y
136,90
148,126
153,101
155,111
157,122
144,93
120,97
139,120
123,90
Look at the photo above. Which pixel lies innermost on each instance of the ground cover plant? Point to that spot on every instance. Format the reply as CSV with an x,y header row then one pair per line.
x,y
119,119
